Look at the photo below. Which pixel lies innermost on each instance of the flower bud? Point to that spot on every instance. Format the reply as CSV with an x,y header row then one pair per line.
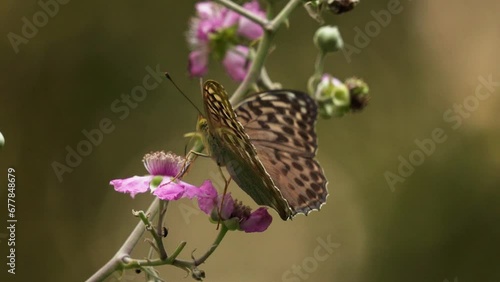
x,y
332,96
328,39
341,6
358,90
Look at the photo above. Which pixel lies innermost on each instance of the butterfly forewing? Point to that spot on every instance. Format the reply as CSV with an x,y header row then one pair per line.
x,y
230,146
280,124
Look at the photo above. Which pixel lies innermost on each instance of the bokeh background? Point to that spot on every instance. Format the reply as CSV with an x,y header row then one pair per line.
x,y
442,223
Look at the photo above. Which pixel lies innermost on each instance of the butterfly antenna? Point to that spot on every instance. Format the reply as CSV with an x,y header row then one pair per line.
x,y
167,75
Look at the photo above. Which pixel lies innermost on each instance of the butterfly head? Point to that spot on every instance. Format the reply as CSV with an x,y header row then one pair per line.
x,y
202,125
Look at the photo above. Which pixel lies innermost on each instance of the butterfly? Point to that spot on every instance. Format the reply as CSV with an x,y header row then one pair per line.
x,y
267,144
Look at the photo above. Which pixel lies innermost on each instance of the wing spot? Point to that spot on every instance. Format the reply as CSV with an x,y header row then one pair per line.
x,y
288,120
272,118
281,138
304,135
297,166
315,176
311,194
299,182
315,187
264,125
288,130
302,200
304,177
297,143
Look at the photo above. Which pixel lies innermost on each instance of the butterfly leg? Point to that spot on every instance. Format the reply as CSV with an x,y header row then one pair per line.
x,y
226,185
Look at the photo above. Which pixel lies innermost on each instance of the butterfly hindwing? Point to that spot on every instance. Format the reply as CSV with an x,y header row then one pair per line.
x,y
280,124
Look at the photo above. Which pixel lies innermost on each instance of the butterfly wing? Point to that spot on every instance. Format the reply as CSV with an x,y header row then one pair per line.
x,y
281,126
230,146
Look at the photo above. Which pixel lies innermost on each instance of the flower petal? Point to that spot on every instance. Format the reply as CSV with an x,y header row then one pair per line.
x,y
248,28
174,190
207,197
133,185
228,206
236,62
230,18
205,9
198,63
258,221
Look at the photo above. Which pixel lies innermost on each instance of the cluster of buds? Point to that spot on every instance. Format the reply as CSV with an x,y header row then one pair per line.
x,y
336,98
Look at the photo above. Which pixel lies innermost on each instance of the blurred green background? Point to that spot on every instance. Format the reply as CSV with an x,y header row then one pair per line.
x,y
442,223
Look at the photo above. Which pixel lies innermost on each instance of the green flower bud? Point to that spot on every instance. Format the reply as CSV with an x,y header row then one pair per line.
x,y
358,90
328,39
333,97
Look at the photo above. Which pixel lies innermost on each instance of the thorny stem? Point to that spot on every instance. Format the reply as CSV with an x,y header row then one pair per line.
x,y
244,12
154,233
172,260
263,50
116,262
162,209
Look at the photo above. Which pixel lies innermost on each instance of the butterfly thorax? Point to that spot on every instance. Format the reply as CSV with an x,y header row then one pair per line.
x,y
213,147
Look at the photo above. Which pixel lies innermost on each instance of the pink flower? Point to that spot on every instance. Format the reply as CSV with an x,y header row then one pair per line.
x,y
232,211
246,27
236,62
163,168
218,32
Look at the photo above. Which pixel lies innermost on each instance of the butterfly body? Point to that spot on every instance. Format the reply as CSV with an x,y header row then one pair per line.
x,y
253,141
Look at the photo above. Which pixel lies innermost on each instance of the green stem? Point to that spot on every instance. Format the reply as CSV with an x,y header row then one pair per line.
x,y
265,81
115,263
256,66
172,260
154,233
318,71
262,51
162,209
244,12
283,15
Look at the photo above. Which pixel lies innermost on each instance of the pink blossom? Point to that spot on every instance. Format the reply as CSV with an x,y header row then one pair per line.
x,y
209,202
236,62
220,33
163,168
